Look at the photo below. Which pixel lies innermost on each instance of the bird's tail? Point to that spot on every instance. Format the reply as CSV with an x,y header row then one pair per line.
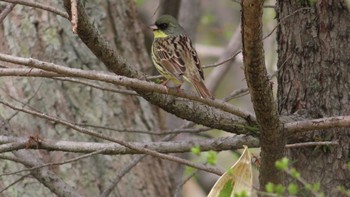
x,y
201,88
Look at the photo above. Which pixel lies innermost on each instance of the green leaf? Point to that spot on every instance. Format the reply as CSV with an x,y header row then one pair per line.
x,y
294,173
316,187
212,157
227,189
293,189
196,150
308,186
279,189
237,181
241,194
282,164
270,187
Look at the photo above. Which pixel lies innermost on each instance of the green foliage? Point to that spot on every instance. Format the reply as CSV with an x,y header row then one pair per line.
x,y
312,2
189,170
269,187
279,189
282,164
308,2
208,19
139,2
275,189
241,194
294,173
343,190
227,190
293,189
196,150
313,187
212,157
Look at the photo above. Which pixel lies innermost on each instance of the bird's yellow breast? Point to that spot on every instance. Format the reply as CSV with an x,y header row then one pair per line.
x,y
159,34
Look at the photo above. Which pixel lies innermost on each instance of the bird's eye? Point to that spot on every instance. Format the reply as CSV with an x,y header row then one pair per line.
x,y
163,26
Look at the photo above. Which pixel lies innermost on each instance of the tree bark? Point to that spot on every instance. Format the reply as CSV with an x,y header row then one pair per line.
x,y
313,59
36,33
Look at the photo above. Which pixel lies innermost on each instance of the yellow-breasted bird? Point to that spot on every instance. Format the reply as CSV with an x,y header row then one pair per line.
x,y
174,56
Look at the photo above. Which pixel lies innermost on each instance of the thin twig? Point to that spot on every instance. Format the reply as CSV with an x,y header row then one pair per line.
x,y
280,68
223,62
121,174
121,142
24,104
283,19
40,6
136,160
74,15
15,182
34,72
54,163
303,144
236,93
165,132
6,11
179,186
94,85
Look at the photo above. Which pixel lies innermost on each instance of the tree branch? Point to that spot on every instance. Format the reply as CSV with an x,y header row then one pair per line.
x,y
186,109
217,144
144,150
38,5
46,176
317,124
271,135
55,163
213,116
6,11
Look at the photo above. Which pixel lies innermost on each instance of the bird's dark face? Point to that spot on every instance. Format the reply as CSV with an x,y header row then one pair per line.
x,y
165,26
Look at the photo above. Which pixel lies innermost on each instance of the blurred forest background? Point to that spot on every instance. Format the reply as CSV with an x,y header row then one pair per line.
x,y
39,108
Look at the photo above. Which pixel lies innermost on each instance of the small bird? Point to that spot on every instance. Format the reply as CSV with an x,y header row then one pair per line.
x,y
174,56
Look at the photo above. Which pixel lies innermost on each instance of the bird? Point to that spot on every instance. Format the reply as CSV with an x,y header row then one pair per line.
x,y
174,56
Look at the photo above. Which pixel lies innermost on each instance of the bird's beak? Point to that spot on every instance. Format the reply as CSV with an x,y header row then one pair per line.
x,y
153,27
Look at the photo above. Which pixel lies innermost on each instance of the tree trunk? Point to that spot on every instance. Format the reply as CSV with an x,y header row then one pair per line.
x,y
28,32
313,53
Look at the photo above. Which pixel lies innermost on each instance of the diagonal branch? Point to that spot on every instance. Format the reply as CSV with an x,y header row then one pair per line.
x,y
198,113
6,11
46,176
186,109
38,5
144,150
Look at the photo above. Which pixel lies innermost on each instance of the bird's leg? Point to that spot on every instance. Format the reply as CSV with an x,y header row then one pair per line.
x,y
178,88
165,82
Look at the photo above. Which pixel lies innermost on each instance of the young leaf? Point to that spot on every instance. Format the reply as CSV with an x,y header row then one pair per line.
x,y
236,180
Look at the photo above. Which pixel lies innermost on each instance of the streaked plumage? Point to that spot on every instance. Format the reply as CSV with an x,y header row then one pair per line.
x,y
174,56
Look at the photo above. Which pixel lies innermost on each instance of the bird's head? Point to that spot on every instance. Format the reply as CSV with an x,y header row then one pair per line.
x,y
165,26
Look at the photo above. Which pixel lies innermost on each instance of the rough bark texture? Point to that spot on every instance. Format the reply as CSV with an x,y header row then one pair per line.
x,y
35,33
271,134
314,44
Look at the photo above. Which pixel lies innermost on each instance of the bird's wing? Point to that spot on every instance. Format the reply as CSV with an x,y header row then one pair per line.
x,y
188,55
167,55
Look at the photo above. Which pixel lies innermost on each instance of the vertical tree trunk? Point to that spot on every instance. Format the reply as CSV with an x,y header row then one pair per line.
x,y
36,33
313,52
